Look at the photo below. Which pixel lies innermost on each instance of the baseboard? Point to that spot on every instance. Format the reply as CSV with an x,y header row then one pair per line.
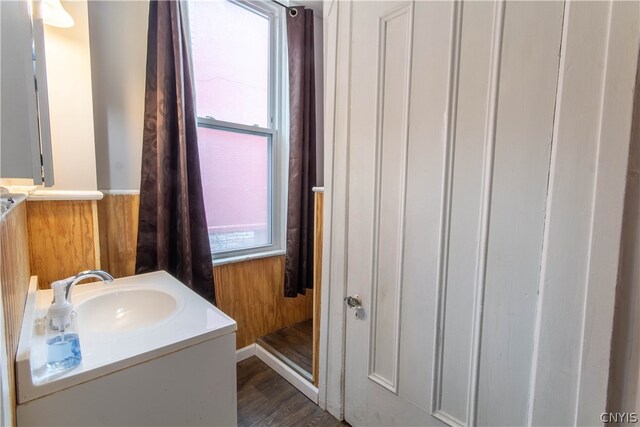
x,y
287,373
245,352
284,359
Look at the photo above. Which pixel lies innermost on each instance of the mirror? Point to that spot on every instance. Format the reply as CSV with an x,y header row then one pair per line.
x,y
25,133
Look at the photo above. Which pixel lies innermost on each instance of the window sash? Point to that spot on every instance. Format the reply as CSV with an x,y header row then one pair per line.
x,y
268,11
212,123
277,150
269,135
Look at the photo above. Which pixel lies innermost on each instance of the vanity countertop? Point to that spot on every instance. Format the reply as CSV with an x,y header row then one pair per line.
x,y
106,349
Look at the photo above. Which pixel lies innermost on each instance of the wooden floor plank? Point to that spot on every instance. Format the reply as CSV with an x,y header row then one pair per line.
x,y
267,399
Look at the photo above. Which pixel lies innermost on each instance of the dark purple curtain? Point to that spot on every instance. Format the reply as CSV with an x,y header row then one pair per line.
x,y
172,227
302,154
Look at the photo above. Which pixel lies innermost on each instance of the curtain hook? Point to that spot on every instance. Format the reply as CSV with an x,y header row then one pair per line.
x,y
292,10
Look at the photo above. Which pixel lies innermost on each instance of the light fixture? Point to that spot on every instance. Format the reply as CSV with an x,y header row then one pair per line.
x,y
53,14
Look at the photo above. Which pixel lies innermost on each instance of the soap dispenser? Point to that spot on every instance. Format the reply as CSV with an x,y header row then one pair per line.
x,y
63,342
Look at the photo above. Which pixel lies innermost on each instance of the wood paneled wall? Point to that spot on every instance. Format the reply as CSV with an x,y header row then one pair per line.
x,y
15,274
57,239
252,293
317,281
63,238
70,236
118,223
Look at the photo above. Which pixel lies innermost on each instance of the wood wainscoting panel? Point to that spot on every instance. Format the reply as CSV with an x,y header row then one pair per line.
x,y
15,271
317,282
63,238
118,224
15,274
251,292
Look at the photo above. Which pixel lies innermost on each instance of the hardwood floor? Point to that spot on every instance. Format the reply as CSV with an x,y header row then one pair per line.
x,y
267,399
293,345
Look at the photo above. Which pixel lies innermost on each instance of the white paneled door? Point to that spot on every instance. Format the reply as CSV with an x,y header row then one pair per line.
x,y
485,152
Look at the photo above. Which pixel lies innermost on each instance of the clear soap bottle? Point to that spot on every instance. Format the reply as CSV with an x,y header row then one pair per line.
x,y
63,341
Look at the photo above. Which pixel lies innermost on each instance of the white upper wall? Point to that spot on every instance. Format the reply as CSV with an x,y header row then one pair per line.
x,y
70,101
118,31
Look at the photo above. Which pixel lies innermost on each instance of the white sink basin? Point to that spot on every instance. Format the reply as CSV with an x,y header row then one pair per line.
x,y
121,324
126,310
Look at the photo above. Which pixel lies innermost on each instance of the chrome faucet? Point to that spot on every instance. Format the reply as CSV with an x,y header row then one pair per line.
x,y
70,282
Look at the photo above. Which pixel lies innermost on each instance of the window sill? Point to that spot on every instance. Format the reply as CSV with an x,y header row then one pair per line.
x,y
247,257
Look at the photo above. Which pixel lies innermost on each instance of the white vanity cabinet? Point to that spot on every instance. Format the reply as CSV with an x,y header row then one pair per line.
x,y
154,354
195,386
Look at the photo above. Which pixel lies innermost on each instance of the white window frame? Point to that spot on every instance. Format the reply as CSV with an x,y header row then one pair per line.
x,y
277,133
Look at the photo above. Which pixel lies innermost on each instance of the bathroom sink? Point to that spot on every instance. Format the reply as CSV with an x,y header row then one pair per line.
x,y
126,310
130,321
144,339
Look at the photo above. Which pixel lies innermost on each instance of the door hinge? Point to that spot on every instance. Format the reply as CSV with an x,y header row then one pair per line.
x,y
42,167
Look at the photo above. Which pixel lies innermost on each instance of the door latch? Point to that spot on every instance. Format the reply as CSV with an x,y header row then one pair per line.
x,y
355,303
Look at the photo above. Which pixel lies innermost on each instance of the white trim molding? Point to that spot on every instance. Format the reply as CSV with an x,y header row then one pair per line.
x,y
404,10
337,62
37,193
294,378
245,352
485,214
50,195
445,214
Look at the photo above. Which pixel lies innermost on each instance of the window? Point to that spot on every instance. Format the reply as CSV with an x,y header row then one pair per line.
x,y
236,58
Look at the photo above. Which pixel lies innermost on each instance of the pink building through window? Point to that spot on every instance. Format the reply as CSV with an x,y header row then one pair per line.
x,y
230,47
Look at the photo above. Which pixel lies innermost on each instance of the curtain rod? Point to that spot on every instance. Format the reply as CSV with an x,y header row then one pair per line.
x,y
292,10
